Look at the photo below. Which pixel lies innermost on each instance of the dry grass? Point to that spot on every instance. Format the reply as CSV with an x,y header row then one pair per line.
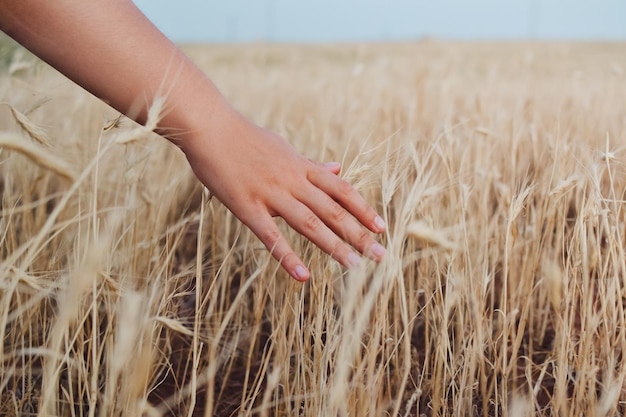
x,y
499,169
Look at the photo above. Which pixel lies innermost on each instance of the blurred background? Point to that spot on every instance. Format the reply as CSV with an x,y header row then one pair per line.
x,y
386,20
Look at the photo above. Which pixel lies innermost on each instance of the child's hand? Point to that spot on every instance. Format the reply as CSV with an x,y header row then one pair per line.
x,y
257,175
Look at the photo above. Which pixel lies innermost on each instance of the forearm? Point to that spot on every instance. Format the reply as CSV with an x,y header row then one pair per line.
x,y
112,50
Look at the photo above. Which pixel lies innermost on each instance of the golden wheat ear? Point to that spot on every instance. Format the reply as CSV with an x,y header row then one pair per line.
x,y
37,154
424,233
28,126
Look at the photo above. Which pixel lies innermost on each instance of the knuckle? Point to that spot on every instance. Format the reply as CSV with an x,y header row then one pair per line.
x,y
345,188
270,238
338,213
339,248
312,223
363,239
289,259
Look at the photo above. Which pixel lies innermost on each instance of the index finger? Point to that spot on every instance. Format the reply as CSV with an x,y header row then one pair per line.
x,y
267,231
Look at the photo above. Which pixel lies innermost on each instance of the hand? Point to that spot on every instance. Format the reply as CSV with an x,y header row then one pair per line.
x,y
258,175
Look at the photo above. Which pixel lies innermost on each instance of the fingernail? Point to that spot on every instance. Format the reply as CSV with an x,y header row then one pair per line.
x,y
379,223
332,165
353,260
378,251
301,273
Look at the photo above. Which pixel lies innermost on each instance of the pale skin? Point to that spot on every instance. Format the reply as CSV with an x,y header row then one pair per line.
x,y
112,50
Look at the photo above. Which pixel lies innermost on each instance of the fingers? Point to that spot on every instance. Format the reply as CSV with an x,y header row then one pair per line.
x,y
329,212
266,230
309,224
344,226
343,193
306,222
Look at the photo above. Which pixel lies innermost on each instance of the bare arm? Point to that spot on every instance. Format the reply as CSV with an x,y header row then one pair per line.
x,y
111,49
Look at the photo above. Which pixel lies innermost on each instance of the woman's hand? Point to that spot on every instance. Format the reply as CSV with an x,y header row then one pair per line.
x,y
258,175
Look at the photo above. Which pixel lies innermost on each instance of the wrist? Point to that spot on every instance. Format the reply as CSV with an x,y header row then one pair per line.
x,y
197,120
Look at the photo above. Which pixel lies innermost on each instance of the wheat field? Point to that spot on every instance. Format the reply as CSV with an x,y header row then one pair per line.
x,y
126,290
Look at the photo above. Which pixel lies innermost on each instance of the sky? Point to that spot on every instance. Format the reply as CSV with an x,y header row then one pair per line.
x,y
327,21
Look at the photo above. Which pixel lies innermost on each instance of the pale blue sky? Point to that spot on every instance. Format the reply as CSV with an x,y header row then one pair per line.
x,y
380,20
